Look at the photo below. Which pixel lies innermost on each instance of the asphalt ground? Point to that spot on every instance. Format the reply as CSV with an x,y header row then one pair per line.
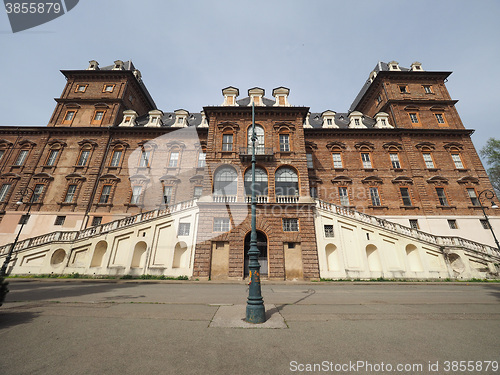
x,y
127,327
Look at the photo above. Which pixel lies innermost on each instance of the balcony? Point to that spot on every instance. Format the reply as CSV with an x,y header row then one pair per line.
x,y
224,198
261,153
287,199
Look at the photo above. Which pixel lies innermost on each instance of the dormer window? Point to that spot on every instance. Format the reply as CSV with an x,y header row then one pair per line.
x,y
281,96
230,93
355,120
129,117
256,94
416,67
181,116
93,65
382,119
329,119
118,65
154,118
394,65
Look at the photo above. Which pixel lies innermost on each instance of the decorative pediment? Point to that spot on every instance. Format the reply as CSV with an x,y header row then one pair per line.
x,y
27,142
88,142
468,180
139,178
437,108
364,144
57,142
228,125
335,145
5,143
341,180
175,143
72,105
393,145
75,177
372,180
315,180
42,177
453,145
170,179
147,144
280,126
402,180
10,177
118,142
411,108
424,145
437,180
312,145
101,105
196,178
109,178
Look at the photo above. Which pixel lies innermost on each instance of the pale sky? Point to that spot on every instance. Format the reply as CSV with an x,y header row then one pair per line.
x,y
323,50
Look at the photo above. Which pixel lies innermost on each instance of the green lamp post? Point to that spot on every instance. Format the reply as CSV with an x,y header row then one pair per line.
x,y
256,312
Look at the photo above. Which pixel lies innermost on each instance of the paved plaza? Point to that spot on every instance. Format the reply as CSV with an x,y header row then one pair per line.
x,y
126,327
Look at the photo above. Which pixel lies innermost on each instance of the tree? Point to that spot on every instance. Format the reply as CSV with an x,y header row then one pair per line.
x,y
491,152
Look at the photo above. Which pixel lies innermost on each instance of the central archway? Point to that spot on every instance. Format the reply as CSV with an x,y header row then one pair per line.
x,y
262,246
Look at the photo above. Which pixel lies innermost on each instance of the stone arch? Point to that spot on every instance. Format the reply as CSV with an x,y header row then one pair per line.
x,y
57,257
180,255
456,263
139,255
373,258
414,261
99,251
332,257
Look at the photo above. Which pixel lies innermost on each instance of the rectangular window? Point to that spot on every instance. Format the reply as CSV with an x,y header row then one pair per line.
x,y
115,158
452,223
167,194
329,121
174,159
405,195
403,89
365,158
313,192
81,88
428,89
429,163
310,163
337,160
21,158
329,231
443,200
375,196
96,220
458,161
70,194
37,193
473,196
136,194
84,157
60,220
414,118
221,224
440,118
414,224
484,223
105,193
198,191
284,142
202,160
69,117
227,142
108,88
183,229
290,225
395,160
344,196
51,160
144,162
4,190
98,116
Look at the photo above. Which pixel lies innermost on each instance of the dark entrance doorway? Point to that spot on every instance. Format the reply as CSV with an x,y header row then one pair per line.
x,y
262,246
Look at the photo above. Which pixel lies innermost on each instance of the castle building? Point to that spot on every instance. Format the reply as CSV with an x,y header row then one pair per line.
x,y
339,194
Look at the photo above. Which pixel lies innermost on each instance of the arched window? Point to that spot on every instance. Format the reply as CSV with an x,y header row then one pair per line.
x,y
287,182
226,181
260,182
259,143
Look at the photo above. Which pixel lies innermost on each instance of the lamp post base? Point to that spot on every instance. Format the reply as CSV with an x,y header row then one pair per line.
x,y
256,314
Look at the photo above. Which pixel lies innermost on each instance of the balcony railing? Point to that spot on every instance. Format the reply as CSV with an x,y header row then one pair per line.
x,y
224,198
287,199
260,152
259,199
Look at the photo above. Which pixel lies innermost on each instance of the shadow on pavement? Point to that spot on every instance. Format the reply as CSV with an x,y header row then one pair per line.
x,y
14,318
